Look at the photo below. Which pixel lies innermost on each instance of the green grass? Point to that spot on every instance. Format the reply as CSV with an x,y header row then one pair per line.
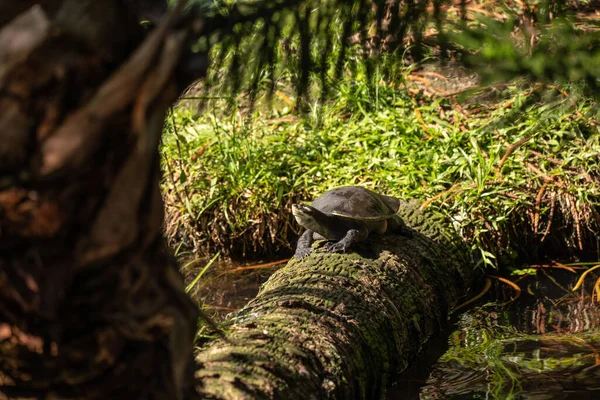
x,y
230,181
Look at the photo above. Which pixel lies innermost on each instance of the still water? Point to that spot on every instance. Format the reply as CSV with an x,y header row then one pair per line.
x,y
542,345
227,287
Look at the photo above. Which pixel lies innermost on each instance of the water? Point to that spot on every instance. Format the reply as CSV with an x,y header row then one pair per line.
x,y
227,287
545,345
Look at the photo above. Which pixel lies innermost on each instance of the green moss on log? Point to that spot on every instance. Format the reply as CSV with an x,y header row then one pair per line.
x,y
341,325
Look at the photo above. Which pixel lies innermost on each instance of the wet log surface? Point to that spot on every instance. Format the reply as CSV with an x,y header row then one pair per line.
x,y
341,325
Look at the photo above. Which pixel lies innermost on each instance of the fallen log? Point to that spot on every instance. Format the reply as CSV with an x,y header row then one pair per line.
x,y
341,326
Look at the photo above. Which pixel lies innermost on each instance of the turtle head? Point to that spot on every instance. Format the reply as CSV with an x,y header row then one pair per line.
x,y
307,216
303,213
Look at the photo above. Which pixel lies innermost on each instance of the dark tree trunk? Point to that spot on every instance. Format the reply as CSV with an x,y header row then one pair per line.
x,y
341,326
91,301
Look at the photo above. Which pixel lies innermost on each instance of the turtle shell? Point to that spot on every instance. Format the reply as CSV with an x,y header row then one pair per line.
x,y
358,203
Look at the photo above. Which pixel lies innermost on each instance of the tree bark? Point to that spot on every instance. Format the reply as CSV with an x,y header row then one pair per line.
x,y
91,301
341,326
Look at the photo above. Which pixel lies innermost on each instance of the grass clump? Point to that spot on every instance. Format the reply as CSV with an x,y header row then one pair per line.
x,y
517,174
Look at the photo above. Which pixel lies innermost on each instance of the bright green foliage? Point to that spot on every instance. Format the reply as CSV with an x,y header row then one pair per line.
x,y
510,171
398,143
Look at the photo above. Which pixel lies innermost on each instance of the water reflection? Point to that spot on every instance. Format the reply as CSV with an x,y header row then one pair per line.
x,y
545,345
227,287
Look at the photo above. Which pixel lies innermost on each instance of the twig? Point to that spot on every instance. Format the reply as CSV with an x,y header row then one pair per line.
x,y
542,156
221,308
550,218
536,209
575,213
428,73
582,277
564,93
437,196
508,282
556,264
509,151
543,176
419,79
420,119
511,284
488,284
265,265
509,195
557,283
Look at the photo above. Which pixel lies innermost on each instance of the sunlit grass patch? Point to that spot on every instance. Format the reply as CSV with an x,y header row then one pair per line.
x,y
516,175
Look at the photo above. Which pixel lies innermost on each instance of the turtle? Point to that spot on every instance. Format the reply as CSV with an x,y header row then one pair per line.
x,y
346,215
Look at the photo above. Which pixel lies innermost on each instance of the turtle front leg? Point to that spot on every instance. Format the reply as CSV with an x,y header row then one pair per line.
x,y
304,246
352,236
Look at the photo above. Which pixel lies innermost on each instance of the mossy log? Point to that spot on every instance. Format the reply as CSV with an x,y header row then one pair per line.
x,y
341,326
